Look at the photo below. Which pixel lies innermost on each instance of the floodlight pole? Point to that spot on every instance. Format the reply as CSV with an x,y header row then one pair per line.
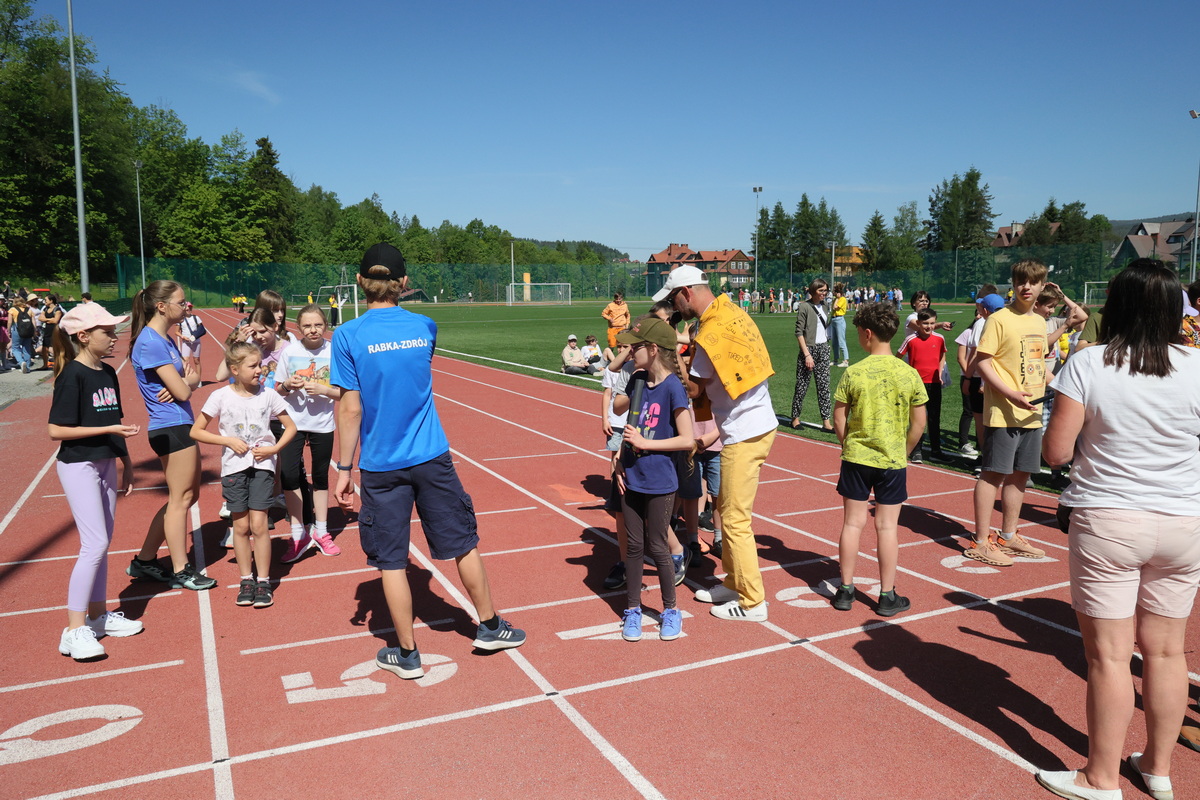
x,y
512,263
1196,219
832,265
956,249
83,265
758,225
137,171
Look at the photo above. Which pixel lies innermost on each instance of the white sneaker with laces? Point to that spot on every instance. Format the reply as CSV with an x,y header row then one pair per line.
x,y
80,644
733,610
114,623
717,594
224,513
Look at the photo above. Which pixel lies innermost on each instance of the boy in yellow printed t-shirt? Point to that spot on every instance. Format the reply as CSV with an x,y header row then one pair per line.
x,y
879,415
1011,359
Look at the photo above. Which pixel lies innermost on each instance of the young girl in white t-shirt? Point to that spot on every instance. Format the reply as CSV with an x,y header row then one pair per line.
x,y
244,415
302,377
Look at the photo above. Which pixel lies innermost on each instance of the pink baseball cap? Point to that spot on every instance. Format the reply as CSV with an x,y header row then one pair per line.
x,y
86,316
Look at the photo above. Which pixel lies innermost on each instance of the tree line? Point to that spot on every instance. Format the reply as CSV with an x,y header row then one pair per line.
x,y
226,201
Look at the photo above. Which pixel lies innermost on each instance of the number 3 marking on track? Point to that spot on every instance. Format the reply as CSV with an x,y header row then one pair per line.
x,y
299,687
17,746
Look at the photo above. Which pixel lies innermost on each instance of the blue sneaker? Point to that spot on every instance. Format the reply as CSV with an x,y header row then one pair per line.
x,y
680,563
389,658
671,624
631,628
504,637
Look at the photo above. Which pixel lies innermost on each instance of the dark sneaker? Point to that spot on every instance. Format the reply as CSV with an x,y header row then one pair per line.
x,y
148,570
503,637
262,595
695,555
389,658
245,595
715,549
680,563
844,599
616,576
890,606
188,578
706,522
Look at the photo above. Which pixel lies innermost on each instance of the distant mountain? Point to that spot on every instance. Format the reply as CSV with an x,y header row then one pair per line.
x,y
606,253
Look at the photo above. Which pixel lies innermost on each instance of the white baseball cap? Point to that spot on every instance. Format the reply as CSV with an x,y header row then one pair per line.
x,y
572,338
680,276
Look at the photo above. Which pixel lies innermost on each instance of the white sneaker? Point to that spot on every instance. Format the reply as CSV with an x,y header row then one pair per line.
x,y
224,512
968,451
733,610
227,542
114,623
718,594
80,644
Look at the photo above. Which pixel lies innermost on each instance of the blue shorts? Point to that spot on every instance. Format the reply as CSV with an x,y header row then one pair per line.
x,y
857,480
445,509
690,486
709,462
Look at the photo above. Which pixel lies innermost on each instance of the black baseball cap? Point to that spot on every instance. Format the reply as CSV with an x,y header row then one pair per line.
x,y
383,255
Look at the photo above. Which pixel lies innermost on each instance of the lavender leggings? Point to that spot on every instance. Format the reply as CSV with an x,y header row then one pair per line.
x,y
91,489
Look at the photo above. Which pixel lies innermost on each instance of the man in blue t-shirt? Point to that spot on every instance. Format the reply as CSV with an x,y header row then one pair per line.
x,y
383,363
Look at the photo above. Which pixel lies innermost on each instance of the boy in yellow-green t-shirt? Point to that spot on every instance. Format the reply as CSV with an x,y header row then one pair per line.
x,y
1011,360
879,415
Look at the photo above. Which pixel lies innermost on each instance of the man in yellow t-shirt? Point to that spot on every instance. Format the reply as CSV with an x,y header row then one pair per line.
x,y
1011,360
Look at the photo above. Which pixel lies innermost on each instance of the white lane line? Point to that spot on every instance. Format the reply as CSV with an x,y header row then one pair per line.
x,y
136,489
537,547
522,395
535,455
114,601
606,749
327,639
778,480
962,730
522,366
12,512
106,674
799,475
808,510
218,735
507,421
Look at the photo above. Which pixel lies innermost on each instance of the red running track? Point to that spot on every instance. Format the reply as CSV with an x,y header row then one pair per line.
x,y
960,697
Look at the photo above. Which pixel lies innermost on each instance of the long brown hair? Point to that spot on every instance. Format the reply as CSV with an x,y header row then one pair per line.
x,y
274,302
145,305
1141,318
66,348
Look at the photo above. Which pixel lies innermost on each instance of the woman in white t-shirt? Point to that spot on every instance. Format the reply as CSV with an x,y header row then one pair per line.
x,y
1128,413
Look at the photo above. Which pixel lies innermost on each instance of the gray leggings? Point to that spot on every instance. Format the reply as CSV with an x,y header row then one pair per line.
x,y
646,520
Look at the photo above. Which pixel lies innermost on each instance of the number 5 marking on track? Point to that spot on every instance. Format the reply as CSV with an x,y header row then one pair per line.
x,y
299,687
17,746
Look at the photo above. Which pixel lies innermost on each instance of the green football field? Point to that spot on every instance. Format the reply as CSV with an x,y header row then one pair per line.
x,y
530,339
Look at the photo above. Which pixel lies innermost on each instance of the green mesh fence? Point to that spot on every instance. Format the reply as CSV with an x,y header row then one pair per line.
x,y
213,283
947,276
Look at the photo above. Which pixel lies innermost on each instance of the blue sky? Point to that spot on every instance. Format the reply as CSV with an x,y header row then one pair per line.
x,y
637,125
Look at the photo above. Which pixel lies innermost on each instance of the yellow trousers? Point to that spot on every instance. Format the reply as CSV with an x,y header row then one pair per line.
x,y
740,465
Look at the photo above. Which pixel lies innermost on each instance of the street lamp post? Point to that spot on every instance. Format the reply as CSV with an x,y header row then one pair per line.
x,y
84,283
832,265
758,240
1195,220
956,249
137,171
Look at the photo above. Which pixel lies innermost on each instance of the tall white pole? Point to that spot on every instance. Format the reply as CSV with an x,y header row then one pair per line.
x,y
758,241
83,264
512,263
137,171
1196,219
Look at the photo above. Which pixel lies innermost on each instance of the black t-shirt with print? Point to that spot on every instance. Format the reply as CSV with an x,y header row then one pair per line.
x,y
88,398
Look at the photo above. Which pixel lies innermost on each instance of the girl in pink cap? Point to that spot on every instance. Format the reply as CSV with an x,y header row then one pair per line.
x,y
85,415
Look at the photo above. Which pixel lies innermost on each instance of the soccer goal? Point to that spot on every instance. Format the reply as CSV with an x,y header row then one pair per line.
x,y
556,294
342,294
1094,293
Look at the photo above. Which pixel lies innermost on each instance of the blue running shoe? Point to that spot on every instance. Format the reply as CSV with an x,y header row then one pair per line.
x,y
671,624
504,637
389,658
631,628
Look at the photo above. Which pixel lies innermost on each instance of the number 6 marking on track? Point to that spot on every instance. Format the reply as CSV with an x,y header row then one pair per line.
x,y
17,746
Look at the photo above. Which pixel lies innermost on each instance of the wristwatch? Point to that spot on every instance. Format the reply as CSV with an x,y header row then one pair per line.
x,y
340,468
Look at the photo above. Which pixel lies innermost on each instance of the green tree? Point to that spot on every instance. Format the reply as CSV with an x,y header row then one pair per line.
x,y
874,240
271,200
960,213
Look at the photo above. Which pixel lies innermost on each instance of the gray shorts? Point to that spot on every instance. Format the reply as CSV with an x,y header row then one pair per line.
x,y
614,441
1009,450
250,489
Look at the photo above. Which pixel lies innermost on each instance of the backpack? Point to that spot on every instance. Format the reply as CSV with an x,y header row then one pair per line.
x,y
25,328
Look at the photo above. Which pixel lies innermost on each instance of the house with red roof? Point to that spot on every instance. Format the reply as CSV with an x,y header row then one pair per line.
x,y
731,267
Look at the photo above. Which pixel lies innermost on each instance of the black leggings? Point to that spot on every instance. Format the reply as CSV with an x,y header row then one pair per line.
x,y
291,460
646,520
